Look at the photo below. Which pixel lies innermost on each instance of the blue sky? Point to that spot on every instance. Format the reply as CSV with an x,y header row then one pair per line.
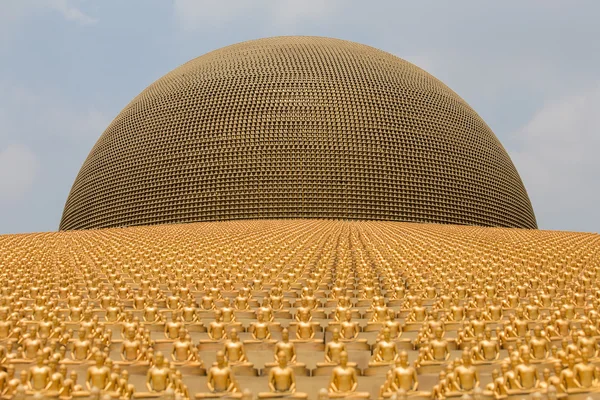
x,y
530,68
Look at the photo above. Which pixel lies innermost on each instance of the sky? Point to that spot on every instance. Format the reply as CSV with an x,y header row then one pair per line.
x,y
530,68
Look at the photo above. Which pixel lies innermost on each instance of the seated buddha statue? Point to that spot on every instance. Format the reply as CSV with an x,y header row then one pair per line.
x,y
184,351
439,349
267,310
173,326
98,375
131,347
378,310
287,348
527,374
304,308
227,311
539,344
457,310
305,329
189,312
342,308
349,329
393,325
385,352
220,380
403,377
260,330
343,381
282,382
151,313
586,374
39,374
216,329
234,351
81,347
417,313
159,377
489,348
467,376
333,349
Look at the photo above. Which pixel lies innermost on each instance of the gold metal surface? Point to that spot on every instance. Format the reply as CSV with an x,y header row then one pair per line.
x,y
297,127
139,309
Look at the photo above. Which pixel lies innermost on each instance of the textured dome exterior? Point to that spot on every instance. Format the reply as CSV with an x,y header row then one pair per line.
x,y
297,127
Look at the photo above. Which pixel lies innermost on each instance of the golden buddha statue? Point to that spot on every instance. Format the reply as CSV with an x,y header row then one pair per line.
x,y
526,373
585,373
404,376
282,382
98,375
227,312
260,329
71,388
125,390
439,349
39,374
349,329
385,352
158,377
131,347
151,313
333,349
305,330
216,329
234,351
467,376
286,347
184,351
343,381
173,326
81,348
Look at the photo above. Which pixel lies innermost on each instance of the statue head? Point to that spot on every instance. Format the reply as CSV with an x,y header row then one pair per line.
x,y
466,357
336,335
159,359
546,374
386,334
403,358
585,355
220,358
343,358
282,359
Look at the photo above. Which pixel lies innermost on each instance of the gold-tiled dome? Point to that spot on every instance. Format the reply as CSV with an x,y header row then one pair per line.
x,y
297,127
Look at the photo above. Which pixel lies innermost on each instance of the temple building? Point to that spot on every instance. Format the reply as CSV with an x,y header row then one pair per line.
x,y
299,217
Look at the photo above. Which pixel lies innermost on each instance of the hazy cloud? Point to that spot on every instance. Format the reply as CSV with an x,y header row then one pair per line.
x,y
18,167
70,12
557,158
53,136
14,10
47,113
195,15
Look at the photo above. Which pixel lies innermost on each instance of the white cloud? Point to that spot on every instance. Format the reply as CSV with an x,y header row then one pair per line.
x,y
18,166
194,15
70,12
558,161
12,11
47,113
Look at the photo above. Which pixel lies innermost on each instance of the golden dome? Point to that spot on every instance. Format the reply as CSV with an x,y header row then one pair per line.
x,y
297,127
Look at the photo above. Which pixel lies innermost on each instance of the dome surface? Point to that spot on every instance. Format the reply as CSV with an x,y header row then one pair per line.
x,y
297,127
